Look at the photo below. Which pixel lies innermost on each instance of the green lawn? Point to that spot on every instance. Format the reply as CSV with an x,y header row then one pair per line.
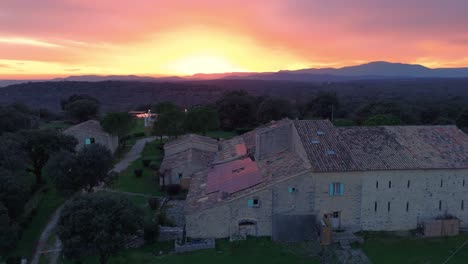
x,y
55,125
46,205
146,184
388,249
251,251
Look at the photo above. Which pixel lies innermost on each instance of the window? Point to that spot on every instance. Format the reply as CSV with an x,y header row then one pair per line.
x,y
336,189
336,214
440,205
377,184
375,206
408,185
254,202
180,175
89,141
462,205
389,184
292,190
441,182
407,206
463,182
388,206
315,141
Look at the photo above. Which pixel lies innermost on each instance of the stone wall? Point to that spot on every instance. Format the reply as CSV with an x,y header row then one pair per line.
x,y
223,220
273,141
420,191
111,142
168,233
193,246
348,205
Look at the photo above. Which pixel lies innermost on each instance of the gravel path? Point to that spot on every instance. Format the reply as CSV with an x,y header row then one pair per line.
x,y
49,229
130,157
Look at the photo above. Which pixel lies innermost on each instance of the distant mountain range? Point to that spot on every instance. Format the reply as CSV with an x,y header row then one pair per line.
x,y
373,70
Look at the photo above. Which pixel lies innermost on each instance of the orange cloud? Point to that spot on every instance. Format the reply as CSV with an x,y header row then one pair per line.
x,y
183,37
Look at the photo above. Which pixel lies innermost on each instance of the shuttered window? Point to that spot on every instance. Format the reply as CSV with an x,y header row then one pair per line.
x,y
336,189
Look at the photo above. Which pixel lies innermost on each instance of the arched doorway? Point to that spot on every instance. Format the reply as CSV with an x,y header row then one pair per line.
x,y
247,227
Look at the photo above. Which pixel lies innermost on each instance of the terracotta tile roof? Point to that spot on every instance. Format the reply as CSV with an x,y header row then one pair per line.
x,y
191,137
323,147
91,126
273,169
231,149
204,158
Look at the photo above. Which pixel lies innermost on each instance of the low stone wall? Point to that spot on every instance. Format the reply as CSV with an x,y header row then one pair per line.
x,y
167,233
195,245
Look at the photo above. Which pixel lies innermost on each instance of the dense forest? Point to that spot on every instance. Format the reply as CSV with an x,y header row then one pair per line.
x,y
412,101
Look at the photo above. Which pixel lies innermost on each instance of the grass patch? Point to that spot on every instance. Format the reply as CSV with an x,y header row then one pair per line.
x,y
59,125
147,183
388,249
47,203
251,251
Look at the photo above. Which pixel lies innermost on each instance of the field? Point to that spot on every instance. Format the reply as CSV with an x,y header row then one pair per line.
x,y
388,249
251,251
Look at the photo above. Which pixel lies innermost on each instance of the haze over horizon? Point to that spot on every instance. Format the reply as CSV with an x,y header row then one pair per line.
x,y
57,38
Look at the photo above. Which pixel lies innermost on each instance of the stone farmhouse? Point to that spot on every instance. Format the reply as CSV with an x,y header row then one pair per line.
x,y
91,132
185,156
281,179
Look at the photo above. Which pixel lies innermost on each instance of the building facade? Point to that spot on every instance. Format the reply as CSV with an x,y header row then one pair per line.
x,y
91,132
376,178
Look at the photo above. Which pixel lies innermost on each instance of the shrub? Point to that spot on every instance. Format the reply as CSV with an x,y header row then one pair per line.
x,y
154,165
153,203
146,162
138,172
173,189
13,260
139,134
111,176
46,189
163,220
150,232
33,211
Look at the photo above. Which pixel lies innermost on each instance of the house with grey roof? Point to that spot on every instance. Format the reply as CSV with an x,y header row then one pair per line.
x,y
281,179
91,132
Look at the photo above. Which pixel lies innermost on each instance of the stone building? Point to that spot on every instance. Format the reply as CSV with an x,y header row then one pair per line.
x,y
91,132
185,156
281,179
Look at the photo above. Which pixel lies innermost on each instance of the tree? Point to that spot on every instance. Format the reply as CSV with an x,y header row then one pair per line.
x,y
62,168
170,123
202,119
16,117
97,223
40,144
13,193
462,120
80,107
323,105
164,107
382,120
236,110
12,156
273,108
8,231
119,124
94,161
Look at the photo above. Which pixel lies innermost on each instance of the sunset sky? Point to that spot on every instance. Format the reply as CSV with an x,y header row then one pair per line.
x,y
51,38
